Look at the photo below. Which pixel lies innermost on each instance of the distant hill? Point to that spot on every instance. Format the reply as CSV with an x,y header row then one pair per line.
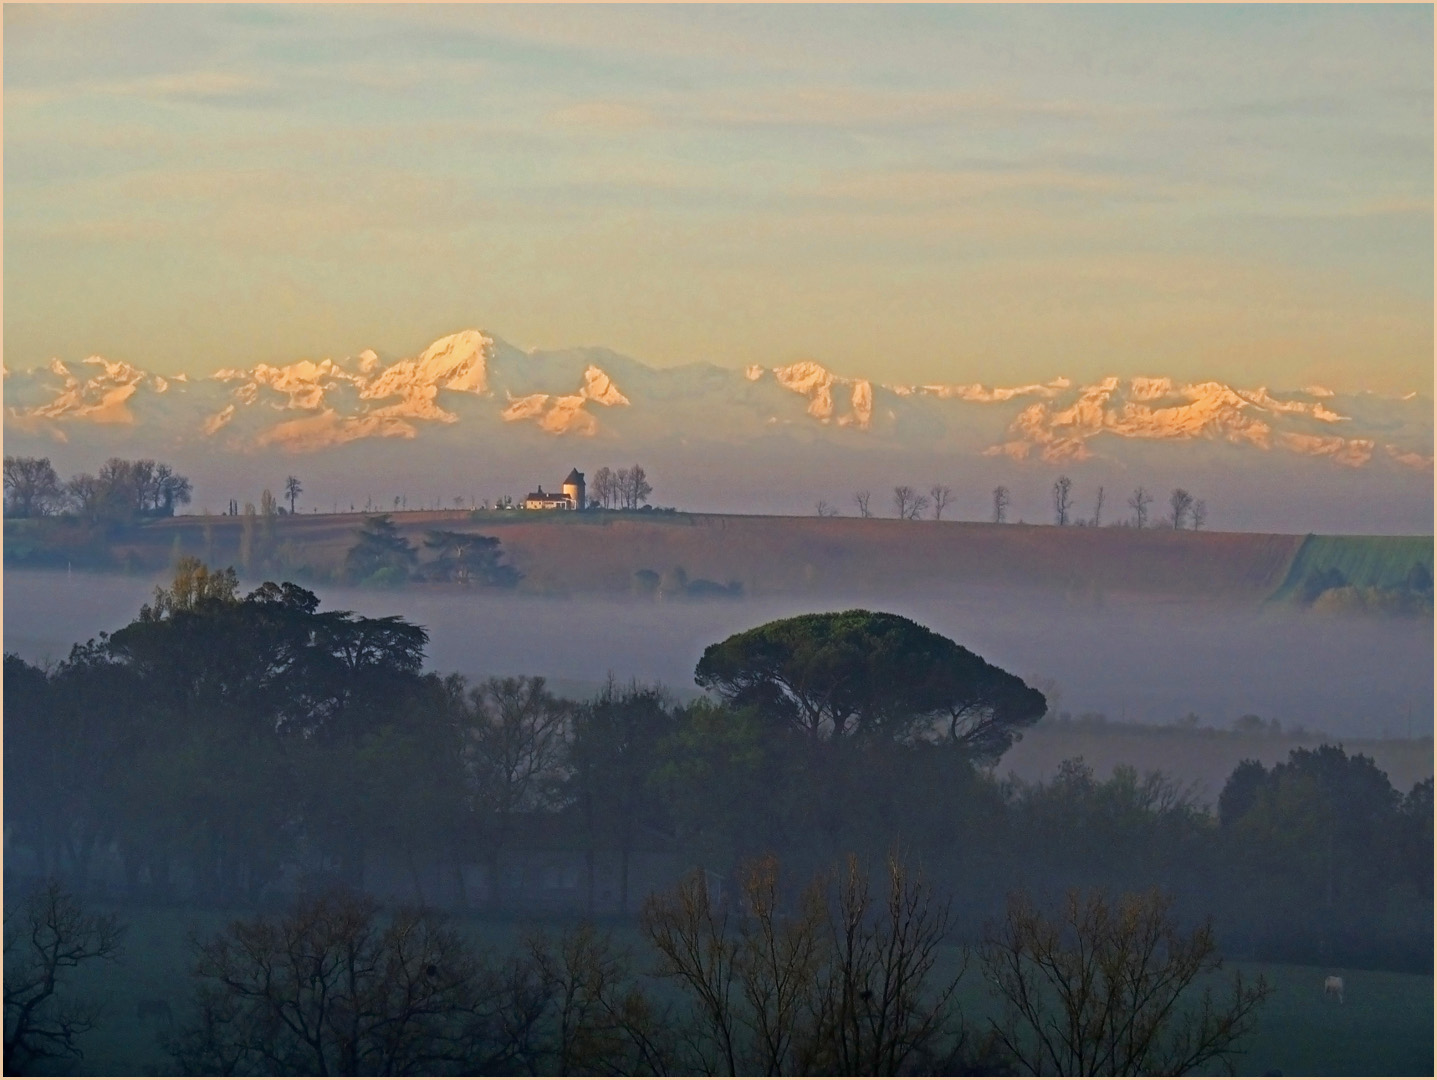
x,y
1361,572
714,556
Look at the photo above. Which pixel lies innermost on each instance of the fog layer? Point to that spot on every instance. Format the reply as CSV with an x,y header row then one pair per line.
x,y
1134,660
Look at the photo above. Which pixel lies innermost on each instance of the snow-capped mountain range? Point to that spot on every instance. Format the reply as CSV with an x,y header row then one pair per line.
x,y
474,386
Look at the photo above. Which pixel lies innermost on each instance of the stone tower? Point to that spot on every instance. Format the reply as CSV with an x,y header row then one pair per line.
x,y
574,488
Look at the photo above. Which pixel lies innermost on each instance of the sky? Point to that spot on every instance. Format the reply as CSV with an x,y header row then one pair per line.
x,y
912,194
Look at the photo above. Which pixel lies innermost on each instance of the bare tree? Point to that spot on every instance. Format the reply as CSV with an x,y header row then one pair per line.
x,y
1098,509
597,1020
916,508
841,986
32,487
1140,500
690,933
628,488
903,497
603,487
1062,499
1181,503
639,488
1199,514
46,938
1098,990
86,494
127,483
330,988
941,495
882,1008
826,509
292,489
861,498
170,489
1000,505
514,751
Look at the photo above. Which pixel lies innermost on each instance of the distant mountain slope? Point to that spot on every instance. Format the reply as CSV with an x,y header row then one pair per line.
x,y
476,386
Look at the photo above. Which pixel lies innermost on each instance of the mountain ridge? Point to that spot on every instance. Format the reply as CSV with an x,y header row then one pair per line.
x,y
475,381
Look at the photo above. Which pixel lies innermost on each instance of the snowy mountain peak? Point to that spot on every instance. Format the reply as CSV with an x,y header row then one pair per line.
x,y
818,384
1157,408
101,398
567,414
471,382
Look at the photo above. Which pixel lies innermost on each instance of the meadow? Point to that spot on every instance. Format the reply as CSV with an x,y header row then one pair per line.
x,y
1384,1028
567,554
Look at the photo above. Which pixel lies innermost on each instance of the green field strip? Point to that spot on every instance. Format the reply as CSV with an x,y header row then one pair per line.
x,y
1381,562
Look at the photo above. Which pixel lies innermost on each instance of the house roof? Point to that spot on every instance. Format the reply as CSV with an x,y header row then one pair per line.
x,y
574,477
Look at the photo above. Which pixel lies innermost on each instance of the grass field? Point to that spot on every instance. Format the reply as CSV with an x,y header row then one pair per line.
x,y
1368,562
566,554
1383,1029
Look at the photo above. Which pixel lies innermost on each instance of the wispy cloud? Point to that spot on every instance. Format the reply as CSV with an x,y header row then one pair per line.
x,y
858,107
610,115
190,87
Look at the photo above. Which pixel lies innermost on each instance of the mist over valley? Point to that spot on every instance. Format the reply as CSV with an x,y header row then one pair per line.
x,y
1133,659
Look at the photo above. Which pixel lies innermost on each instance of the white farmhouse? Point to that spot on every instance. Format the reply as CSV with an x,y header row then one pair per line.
x,y
569,497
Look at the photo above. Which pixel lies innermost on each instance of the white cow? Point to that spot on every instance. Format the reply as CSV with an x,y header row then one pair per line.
x,y
1333,988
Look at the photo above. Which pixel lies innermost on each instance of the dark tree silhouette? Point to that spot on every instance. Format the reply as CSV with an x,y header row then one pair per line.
x,y
32,487
846,986
46,938
1181,503
941,495
380,554
615,745
862,675
1000,505
1100,989
514,734
1323,818
1062,499
468,559
903,499
331,989
292,489
638,489
603,487
861,498
170,490
1140,500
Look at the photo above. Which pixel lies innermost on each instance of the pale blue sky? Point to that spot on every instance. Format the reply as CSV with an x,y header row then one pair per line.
x,y
917,194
